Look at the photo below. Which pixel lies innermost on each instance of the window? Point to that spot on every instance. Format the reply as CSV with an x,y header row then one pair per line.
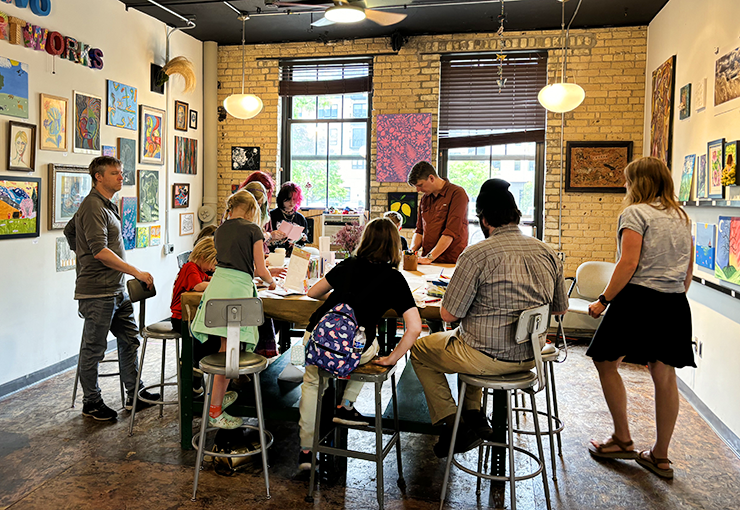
x,y
359,138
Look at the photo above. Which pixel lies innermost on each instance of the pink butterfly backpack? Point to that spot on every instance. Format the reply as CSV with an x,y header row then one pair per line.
x,y
331,344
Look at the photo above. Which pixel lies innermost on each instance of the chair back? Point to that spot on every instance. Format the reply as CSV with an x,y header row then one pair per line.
x,y
233,314
531,326
138,293
183,258
592,278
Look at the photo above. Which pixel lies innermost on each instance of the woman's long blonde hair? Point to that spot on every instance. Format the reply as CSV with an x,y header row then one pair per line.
x,y
381,242
649,181
246,199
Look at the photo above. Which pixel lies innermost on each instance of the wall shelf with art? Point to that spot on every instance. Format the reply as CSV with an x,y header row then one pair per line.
x,y
714,286
711,203
718,253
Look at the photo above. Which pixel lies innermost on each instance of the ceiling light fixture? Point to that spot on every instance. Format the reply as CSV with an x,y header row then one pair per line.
x,y
344,13
243,106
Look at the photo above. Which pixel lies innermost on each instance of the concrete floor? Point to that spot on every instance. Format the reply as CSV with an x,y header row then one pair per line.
x,y
53,458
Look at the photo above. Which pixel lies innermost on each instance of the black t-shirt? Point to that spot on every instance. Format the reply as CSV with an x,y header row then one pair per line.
x,y
277,217
234,241
371,289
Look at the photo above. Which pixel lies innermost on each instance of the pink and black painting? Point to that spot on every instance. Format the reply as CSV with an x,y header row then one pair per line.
x,y
403,140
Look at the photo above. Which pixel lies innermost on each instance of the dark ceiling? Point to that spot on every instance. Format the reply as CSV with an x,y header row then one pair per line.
x,y
216,21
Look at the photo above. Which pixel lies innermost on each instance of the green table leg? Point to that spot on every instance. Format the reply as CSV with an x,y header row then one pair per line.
x,y
186,388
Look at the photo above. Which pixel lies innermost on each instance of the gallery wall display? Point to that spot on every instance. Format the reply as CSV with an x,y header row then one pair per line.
x,y
14,91
661,120
148,196
68,187
727,258
21,146
142,237
87,110
181,116
127,155
406,205
53,123
687,175
729,176
187,224
402,141
180,195
596,167
193,119
128,222
726,77
122,105
705,243
245,158
109,150
700,95
151,122
65,258
684,102
701,178
155,235
715,160
20,206
186,155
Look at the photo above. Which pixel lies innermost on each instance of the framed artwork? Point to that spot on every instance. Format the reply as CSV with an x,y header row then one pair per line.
x,y
661,120
20,207
187,224
727,258
151,122
705,242
596,167
701,182
406,205
142,237
402,141
109,150
193,119
157,78
148,196
729,175
53,123
245,158
715,160
684,190
65,258
21,146
128,222
155,235
726,77
14,91
86,123
127,155
180,196
68,187
181,116
122,105
700,95
684,102
186,155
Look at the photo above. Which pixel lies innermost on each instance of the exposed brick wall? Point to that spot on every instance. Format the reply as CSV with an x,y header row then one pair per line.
x,y
608,63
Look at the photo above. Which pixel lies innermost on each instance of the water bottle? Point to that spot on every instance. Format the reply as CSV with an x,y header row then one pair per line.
x,y
359,342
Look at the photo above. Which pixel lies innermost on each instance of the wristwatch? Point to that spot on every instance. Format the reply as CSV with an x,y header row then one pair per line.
x,y
603,301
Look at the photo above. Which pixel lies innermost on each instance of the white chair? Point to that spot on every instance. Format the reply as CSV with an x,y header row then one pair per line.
x,y
591,279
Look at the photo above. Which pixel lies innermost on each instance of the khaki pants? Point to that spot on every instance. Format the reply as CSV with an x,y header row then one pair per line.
x,y
443,353
310,389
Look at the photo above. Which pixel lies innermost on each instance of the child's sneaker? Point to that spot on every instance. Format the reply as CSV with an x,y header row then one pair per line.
x,y
225,421
229,398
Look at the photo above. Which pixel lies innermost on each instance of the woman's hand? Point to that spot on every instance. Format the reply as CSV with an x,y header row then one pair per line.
x,y
385,361
277,236
272,286
595,309
278,271
424,261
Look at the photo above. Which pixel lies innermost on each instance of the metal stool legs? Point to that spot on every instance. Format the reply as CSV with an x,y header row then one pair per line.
x,y
77,376
202,433
261,425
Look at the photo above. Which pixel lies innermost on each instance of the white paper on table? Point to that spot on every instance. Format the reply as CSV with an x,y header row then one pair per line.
x,y
297,271
324,244
291,230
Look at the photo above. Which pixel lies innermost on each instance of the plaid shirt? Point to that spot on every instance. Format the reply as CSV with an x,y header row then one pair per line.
x,y
497,279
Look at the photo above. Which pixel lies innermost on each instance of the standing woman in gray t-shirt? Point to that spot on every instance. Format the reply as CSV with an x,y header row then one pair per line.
x,y
649,320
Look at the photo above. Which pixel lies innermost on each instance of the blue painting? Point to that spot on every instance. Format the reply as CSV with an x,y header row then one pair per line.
x,y
723,242
705,235
128,222
122,105
13,88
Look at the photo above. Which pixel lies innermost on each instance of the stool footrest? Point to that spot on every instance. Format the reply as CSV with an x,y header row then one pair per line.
x,y
502,478
157,402
559,425
354,454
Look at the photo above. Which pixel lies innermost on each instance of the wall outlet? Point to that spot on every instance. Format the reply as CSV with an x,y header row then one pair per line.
x,y
169,249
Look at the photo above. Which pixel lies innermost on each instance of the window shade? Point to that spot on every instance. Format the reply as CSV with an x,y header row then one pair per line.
x,y
470,99
320,77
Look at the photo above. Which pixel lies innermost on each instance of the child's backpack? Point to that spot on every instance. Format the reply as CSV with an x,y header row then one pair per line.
x,y
332,345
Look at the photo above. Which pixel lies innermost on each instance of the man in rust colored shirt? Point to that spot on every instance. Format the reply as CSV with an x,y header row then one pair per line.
x,y
442,224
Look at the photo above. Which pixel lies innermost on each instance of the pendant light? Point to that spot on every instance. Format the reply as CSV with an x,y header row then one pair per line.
x,y
562,97
243,106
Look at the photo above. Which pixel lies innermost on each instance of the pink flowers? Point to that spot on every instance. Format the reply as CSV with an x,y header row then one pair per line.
x,y
348,238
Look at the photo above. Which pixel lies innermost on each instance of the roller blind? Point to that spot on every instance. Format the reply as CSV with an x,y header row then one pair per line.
x,y
322,76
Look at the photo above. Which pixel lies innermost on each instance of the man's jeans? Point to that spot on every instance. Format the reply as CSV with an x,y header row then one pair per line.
x,y
114,314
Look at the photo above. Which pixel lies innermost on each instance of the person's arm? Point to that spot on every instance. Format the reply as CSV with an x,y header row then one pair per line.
x,y
416,241
260,269
320,290
631,249
411,333
418,236
442,245
70,232
690,269
447,316
113,261
201,287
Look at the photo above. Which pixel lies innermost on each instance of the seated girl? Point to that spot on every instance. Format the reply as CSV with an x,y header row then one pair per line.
x,y
288,200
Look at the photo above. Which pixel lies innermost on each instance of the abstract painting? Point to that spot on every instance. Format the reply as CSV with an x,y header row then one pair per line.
x,y
727,77
142,237
180,196
186,155
53,123
661,121
68,187
684,191
21,146
727,259
13,88
122,105
181,116
87,123
155,235
20,206
705,235
187,224
65,258
716,161
148,196
402,141
127,155
684,102
406,205
128,222
245,158
702,185
596,167
151,122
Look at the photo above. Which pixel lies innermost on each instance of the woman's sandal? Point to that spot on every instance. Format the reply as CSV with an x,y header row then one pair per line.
x,y
623,453
651,462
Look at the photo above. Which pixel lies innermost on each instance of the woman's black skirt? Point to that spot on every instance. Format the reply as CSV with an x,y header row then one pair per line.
x,y
645,325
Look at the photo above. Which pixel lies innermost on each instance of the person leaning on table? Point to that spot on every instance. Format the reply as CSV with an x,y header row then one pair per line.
x,y
494,281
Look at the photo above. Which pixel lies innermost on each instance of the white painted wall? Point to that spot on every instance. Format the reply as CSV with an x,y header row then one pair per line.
x,y
698,33
39,325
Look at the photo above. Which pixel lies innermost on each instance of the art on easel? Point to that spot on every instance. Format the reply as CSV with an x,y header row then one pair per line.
x,y
661,120
701,188
716,162
706,234
402,141
727,259
128,222
684,191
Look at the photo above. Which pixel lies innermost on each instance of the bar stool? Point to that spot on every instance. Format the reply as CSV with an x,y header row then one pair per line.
x,y
531,325
157,331
112,374
372,374
234,314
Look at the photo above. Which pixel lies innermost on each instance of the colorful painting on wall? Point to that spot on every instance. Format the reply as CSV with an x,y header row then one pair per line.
x,y
13,88
684,102
148,196
245,158
701,181
684,191
186,156
68,187
406,204
661,121
122,105
21,146
128,222
151,122
53,123
109,150
142,237
87,123
155,235
181,116
727,259
715,160
127,155
705,236
726,77
180,196
402,141
20,207
65,258
596,167
729,176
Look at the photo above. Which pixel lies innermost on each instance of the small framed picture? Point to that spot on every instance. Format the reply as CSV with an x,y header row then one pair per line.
x,y
151,143
21,146
53,123
596,167
21,206
68,187
187,224
193,119
180,196
181,116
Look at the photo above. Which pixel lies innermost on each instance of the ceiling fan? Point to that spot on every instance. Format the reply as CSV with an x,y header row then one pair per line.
x,y
347,11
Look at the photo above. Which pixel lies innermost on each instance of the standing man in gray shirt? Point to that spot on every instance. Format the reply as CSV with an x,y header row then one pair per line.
x,y
94,234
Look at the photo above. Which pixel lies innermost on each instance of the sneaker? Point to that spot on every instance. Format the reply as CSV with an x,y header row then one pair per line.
x,y
350,417
225,421
476,420
99,411
304,460
141,405
229,398
466,441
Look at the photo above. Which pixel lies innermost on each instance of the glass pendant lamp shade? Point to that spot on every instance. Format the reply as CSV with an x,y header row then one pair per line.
x,y
243,106
345,14
561,97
